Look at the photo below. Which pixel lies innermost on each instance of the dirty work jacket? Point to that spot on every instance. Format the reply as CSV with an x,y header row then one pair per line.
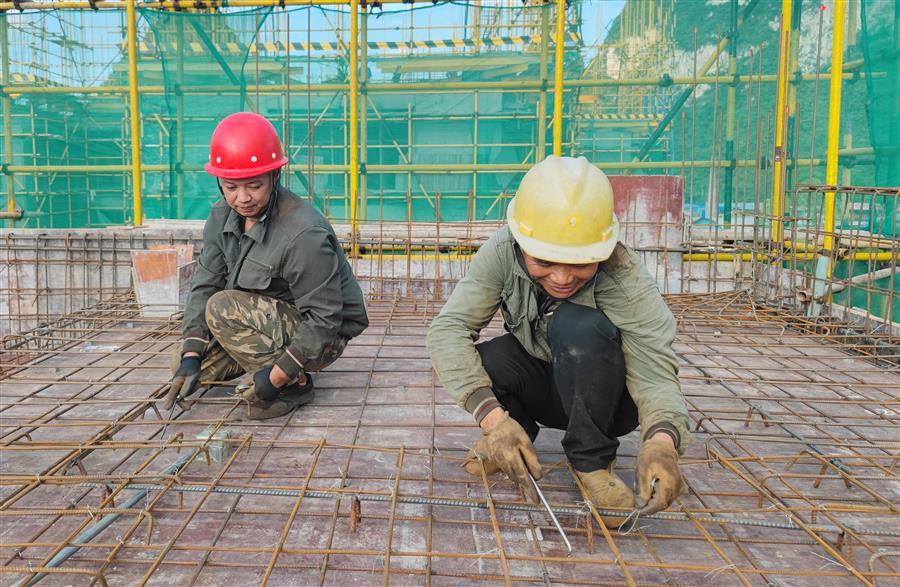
x,y
291,254
626,293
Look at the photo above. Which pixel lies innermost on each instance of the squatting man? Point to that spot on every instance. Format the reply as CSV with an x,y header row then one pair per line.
x,y
588,347
273,294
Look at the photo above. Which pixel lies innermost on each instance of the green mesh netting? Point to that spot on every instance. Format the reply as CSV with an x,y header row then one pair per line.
x,y
629,103
881,55
196,52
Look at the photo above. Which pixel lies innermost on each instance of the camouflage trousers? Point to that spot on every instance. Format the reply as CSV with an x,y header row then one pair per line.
x,y
249,332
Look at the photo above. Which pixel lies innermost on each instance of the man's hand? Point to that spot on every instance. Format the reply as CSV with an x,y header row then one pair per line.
x,y
185,381
267,384
507,445
492,418
657,475
278,377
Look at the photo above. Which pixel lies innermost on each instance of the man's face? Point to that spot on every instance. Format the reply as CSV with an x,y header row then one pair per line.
x,y
248,197
560,280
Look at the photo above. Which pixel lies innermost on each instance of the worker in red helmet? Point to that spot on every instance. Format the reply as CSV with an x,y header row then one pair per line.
x,y
273,294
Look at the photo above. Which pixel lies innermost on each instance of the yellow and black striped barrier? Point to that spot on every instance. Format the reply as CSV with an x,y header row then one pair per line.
x,y
233,48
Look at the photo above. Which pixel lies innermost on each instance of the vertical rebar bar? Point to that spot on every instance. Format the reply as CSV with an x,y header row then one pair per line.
x,y
179,117
542,95
728,188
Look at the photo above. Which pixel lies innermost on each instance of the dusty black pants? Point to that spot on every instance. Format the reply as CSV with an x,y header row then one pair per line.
x,y
582,390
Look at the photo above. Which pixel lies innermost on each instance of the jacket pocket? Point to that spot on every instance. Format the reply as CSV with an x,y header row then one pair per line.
x,y
254,275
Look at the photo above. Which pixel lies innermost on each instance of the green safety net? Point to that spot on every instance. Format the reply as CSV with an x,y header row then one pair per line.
x,y
435,146
881,52
202,68
881,57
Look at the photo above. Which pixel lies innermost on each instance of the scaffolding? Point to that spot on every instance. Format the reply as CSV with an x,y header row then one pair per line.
x,y
449,98
750,179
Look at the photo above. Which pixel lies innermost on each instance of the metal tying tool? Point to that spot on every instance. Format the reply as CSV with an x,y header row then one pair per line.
x,y
552,515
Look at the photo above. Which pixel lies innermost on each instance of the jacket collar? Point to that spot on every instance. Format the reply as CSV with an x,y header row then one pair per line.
x,y
234,222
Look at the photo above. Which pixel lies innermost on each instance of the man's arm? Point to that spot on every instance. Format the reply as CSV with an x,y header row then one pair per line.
x,y
209,278
312,269
452,335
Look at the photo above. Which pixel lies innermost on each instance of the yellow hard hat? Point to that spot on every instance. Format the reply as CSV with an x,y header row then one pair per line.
x,y
563,212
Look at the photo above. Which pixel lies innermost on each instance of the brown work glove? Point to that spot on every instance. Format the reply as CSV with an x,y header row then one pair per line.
x,y
507,445
657,476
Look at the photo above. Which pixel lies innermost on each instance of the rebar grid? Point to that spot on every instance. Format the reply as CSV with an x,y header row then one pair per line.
x,y
792,474
842,264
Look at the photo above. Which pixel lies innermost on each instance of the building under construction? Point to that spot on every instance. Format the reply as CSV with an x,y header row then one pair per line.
x,y
753,151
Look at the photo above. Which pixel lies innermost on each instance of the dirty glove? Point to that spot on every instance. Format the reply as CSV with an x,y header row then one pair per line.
x,y
508,446
657,476
185,381
262,391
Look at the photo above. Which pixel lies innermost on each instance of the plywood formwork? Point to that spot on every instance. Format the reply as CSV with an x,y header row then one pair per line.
x,y
791,476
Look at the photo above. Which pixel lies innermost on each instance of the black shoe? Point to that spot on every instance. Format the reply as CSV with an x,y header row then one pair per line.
x,y
308,386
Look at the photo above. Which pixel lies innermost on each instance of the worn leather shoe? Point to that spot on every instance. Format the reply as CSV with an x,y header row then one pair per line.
x,y
473,468
606,490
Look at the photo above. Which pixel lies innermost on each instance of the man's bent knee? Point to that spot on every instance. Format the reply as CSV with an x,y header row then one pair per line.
x,y
329,354
580,325
222,309
218,306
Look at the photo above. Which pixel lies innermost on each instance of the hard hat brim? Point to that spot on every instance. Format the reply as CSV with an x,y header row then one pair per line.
x,y
591,253
246,172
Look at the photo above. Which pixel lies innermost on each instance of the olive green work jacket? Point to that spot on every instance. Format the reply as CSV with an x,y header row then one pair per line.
x,y
625,292
291,254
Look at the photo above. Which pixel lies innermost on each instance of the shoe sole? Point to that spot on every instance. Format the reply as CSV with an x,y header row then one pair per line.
x,y
293,402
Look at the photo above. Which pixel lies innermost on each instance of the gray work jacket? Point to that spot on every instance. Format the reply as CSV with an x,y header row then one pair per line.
x,y
291,254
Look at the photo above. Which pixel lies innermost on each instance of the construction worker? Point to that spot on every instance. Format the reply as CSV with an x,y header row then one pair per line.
x,y
588,347
273,294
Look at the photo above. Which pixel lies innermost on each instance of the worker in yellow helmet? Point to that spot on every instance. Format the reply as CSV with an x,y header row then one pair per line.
x,y
588,347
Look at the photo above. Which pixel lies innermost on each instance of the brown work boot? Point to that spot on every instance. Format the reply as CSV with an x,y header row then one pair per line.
x,y
606,490
292,396
473,467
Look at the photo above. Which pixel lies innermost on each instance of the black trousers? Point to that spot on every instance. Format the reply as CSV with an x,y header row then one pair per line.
x,y
582,390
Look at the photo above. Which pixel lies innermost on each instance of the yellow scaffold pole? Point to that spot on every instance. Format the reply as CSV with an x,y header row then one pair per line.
x,y
825,260
781,95
354,125
834,125
558,76
7,120
135,113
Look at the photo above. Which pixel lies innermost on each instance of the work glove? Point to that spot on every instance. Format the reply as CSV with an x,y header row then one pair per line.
x,y
185,381
263,391
508,446
657,476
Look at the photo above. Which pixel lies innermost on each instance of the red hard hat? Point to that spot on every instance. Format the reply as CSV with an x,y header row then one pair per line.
x,y
244,145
